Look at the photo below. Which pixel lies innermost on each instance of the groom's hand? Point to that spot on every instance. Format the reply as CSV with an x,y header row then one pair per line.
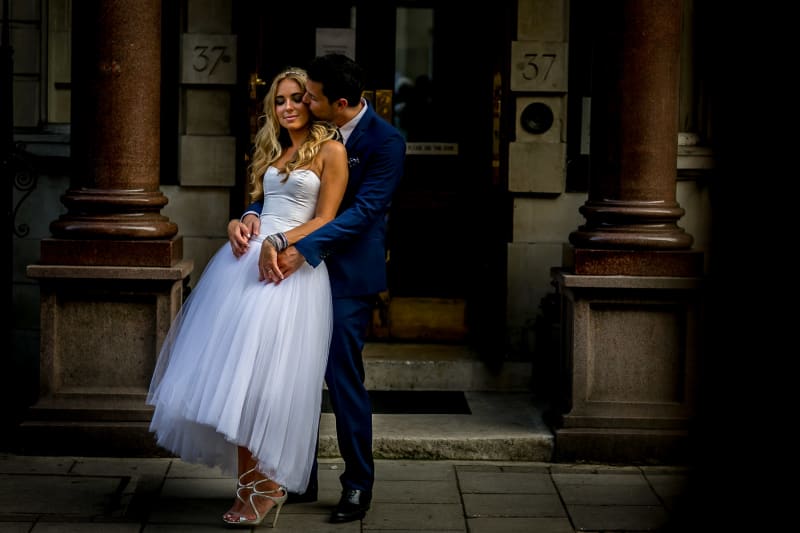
x,y
289,261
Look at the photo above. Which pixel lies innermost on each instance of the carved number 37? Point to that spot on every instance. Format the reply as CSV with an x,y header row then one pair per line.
x,y
536,64
203,60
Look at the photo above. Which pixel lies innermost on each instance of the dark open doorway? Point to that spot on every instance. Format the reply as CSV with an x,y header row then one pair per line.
x,y
435,71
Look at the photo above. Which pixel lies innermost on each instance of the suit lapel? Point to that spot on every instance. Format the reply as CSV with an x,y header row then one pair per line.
x,y
352,140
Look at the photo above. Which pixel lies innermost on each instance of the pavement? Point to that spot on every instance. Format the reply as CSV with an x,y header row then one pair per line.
x,y
40,494
488,471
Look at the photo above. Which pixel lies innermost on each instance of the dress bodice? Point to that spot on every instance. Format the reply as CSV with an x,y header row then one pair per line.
x,y
288,204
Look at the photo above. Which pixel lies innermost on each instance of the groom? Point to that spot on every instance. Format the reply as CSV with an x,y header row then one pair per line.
x,y
353,247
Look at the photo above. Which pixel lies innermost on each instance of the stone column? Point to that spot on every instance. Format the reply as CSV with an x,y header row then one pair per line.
x,y
116,109
112,276
634,130
631,288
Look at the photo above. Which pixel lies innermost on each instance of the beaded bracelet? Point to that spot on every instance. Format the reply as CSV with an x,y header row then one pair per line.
x,y
278,241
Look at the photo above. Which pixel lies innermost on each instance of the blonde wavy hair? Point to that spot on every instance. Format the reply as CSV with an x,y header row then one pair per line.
x,y
272,139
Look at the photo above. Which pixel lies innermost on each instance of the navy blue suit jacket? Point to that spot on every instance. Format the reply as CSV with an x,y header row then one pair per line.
x,y
353,245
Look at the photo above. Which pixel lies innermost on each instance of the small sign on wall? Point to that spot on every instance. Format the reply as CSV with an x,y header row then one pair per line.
x,y
208,58
431,148
336,41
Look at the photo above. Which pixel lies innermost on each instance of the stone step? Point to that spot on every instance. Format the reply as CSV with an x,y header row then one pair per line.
x,y
429,366
503,421
501,426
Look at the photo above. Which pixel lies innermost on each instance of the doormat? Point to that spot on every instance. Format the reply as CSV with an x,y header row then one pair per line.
x,y
411,402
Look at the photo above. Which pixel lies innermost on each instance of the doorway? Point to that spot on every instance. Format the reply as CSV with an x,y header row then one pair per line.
x,y
435,71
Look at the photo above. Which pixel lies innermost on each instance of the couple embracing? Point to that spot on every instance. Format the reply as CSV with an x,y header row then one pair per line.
x,y
287,303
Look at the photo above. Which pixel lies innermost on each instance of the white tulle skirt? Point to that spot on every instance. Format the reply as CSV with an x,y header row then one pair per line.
x,y
243,365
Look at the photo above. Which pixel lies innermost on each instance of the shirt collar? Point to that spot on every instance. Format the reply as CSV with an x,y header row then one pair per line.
x,y
348,128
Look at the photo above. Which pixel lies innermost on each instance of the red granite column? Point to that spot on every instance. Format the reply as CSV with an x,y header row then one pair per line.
x,y
632,301
114,195
112,276
634,126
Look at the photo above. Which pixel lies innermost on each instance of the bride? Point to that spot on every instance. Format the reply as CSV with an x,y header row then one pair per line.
x,y
244,394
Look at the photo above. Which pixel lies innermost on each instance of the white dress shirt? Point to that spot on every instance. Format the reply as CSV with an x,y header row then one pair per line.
x,y
348,128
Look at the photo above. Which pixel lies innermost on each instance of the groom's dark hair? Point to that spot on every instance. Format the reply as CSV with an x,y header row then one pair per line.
x,y
340,76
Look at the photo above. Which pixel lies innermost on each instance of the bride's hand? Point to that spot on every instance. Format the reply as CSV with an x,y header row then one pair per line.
x,y
268,263
239,237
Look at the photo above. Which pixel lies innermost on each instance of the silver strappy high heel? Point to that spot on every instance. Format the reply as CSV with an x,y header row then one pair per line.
x,y
241,485
240,520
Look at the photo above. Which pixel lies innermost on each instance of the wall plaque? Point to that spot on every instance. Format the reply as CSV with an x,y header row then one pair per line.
x,y
208,58
538,66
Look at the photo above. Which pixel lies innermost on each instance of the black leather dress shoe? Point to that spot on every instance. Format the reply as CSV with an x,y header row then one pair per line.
x,y
309,496
353,505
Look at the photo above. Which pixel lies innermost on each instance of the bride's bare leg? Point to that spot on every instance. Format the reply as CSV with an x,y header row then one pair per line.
x,y
245,462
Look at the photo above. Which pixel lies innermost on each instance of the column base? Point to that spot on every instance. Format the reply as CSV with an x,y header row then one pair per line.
x,y
654,446
596,262
628,369
89,424
102,328
110,252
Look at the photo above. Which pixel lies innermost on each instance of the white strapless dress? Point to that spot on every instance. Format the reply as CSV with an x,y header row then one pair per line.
x,y
244,361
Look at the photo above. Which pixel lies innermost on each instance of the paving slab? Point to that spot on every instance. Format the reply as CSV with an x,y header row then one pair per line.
x,y
428,491
15,527
506,482
617,517
415,470
670,488
413,517
69,496
85,527
610,494
519,525
514,505
23,464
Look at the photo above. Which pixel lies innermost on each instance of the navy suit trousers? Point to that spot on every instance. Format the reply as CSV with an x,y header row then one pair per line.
x,y
350,401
